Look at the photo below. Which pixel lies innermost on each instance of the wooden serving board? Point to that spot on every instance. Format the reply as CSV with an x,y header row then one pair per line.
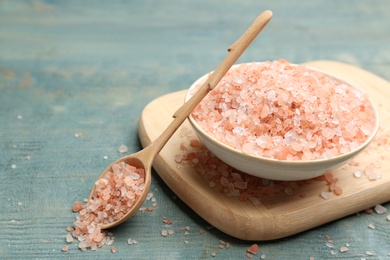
x,y
282,215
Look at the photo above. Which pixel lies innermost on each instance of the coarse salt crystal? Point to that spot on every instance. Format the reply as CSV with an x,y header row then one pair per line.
x,y
358,173
253,249
149,196
343,249
325,195
78,135
372,173
330,245
292,100
77,206
379,209
69,238
123,148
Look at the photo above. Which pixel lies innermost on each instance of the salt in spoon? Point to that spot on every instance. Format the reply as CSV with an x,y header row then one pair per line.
x,y
144,158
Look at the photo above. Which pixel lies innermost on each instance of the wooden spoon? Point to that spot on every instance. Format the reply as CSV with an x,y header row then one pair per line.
x,y
144,158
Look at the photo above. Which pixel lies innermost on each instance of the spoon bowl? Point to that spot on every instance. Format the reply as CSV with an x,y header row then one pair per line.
x,y
140,160
144,158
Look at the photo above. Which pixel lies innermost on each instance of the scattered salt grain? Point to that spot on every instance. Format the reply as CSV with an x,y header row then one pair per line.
x,y
330,245
69,229
338,190
65,249
369,210
20,204
123,149
370,253
131,241
20,117
388,218
164,232
77,135
77,206
69,238
379,209
253,249
149,196
371,226
105,157
372,172
358,174
343,249
325,195
13,166
244,187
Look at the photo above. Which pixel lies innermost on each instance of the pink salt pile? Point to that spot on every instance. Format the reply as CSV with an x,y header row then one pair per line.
x,y
113,197
287,112
232,182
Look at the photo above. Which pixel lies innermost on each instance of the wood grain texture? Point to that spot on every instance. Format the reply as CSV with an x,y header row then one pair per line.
x,y
92,66
282,215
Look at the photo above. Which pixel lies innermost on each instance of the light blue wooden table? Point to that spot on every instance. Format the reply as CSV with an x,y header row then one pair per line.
x,y
90,67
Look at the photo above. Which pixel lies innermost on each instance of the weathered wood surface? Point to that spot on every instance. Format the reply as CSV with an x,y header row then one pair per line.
x,y
90,67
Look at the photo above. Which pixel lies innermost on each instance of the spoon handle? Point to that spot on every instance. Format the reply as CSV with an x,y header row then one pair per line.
x,y
234,52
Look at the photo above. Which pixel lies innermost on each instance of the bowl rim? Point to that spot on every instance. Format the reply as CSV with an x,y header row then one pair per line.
x,y
341,157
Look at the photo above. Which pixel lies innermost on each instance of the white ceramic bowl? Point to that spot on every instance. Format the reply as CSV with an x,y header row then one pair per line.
x,y
272,168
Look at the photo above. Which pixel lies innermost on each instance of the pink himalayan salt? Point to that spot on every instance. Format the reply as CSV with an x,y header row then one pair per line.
x,y
372,172
234,183
77,206
253,249
281,111
113,197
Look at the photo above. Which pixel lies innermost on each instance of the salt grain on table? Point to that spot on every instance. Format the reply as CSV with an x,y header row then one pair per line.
x,y
123,149
379,209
